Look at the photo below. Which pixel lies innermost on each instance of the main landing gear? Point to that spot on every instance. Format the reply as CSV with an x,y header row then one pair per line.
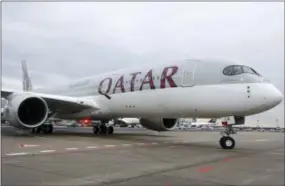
x,y
103,129
46,129
226,141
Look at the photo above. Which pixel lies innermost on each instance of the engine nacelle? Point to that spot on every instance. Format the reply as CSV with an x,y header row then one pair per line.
x,y
159,124
26,111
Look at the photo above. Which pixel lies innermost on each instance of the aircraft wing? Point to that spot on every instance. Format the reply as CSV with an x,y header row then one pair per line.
x,y
6,92
59,104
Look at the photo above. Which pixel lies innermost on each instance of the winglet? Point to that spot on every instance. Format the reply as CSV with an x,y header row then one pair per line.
x,y
27,83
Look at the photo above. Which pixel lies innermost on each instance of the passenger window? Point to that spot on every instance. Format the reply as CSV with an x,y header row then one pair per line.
x,y
237,70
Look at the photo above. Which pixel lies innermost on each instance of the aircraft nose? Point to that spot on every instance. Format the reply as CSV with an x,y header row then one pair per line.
x,y
275,96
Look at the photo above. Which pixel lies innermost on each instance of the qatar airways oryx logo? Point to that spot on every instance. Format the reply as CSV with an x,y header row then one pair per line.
x,y
110,85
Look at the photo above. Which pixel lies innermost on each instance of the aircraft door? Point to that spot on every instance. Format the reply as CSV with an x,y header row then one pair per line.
x,y
188,74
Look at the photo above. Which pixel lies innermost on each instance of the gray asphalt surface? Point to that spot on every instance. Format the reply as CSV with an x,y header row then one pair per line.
x,y
140,157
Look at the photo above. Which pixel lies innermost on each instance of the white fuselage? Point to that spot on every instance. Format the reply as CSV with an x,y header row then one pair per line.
x,y
188,89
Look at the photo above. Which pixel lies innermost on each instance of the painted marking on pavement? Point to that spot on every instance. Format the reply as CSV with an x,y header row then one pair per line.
x,y
259,140
27,145
205,169
17,154
92,147
72,148
47,151
88,147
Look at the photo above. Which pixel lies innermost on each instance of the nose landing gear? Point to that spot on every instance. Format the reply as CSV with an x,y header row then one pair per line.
x,y
226,141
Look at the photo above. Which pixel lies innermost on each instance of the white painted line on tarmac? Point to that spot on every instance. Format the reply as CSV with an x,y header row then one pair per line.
x,y
47,151
109,145
17,154
200,140
28,145
71,148
92,147
154,143
259,140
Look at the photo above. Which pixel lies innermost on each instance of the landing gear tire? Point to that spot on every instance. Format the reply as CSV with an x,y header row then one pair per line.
x,y
227,142
95,130
110,130
103,129
36,130
48,129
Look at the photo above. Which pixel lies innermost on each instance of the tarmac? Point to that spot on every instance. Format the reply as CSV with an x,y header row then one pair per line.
x,y
75,156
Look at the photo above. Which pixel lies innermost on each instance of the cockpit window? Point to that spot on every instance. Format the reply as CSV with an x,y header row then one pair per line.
x,y
233,70
238,69
228,70
250,70
256,72
247,70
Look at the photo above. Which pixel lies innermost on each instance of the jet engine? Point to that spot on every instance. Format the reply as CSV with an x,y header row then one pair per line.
x,y
159,124
26,111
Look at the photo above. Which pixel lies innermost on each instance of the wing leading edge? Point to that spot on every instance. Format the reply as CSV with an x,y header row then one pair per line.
x,y
59,104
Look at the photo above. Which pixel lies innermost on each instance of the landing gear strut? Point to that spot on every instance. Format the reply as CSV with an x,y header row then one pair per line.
x,y
103,129
226,141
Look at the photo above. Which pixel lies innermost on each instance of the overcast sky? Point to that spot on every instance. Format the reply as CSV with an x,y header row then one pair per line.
x,y
64,41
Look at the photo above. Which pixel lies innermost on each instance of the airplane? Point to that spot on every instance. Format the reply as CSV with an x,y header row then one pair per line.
x,y
209,125
3,107
3,116
158,95
127,121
